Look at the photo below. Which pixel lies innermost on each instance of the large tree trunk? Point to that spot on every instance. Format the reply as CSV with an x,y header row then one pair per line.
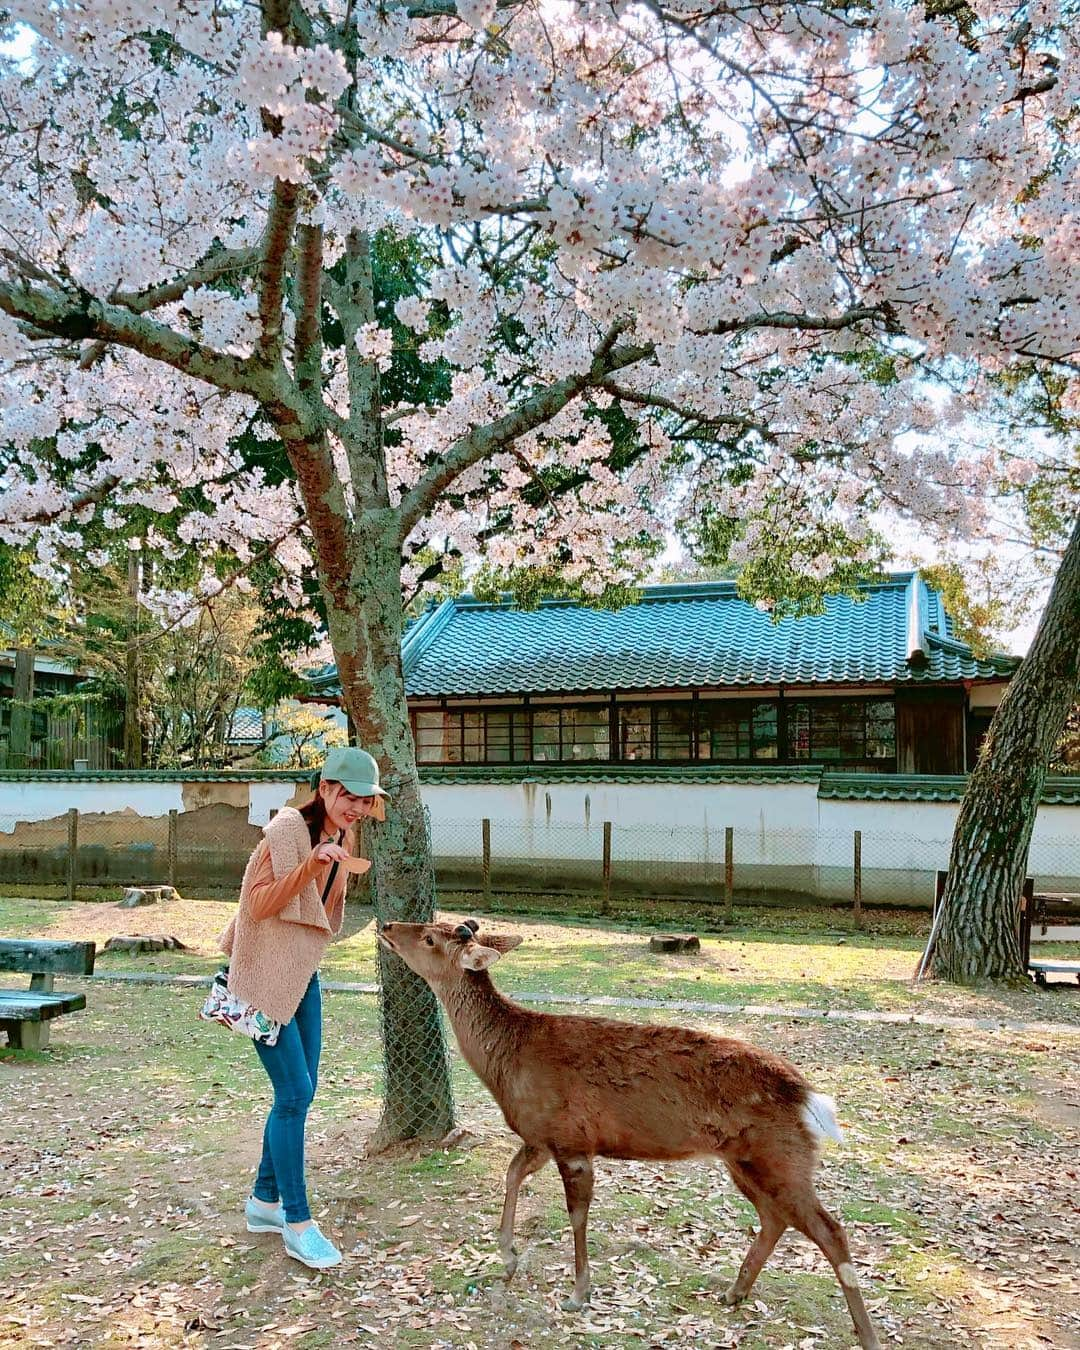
x,y
978,937
417,1098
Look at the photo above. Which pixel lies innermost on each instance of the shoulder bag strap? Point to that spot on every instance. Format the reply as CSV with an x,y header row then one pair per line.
x,y
333,869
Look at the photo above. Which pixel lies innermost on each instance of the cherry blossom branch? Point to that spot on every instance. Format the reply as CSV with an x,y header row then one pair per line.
x,y
212,268
224,584
91,497
78,316
808,322
353,300
696,419
488,440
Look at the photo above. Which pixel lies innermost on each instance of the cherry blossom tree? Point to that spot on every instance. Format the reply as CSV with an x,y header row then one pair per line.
x,y
663,253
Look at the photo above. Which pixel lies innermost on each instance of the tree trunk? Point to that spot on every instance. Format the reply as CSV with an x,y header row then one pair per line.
x,y
417,1097
132,729
978,936
21,709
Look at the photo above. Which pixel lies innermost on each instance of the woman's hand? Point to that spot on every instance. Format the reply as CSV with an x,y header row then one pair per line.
x,y
329,852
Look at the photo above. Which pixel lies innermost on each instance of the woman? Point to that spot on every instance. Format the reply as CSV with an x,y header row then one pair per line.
x,y
292,902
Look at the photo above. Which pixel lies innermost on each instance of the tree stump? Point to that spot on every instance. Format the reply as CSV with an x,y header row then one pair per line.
x,y
136,896
144,942
674,942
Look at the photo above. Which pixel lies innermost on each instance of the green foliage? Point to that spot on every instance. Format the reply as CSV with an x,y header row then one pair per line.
x,y
25,600
307,735
778,577
444,570
528,586
982,601
1066,756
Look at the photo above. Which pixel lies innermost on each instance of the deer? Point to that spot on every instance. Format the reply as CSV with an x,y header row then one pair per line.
x,y
576,1088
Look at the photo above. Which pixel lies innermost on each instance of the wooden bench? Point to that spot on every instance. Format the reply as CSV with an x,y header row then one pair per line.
x,y
1033,908
25,1015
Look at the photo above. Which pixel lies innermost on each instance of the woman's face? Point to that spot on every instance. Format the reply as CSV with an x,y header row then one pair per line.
x,y
343,808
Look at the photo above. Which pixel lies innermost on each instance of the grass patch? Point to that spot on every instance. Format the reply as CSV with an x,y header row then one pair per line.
x,y
800,967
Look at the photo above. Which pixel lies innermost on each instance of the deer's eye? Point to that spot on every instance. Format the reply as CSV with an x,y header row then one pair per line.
x,y
430,941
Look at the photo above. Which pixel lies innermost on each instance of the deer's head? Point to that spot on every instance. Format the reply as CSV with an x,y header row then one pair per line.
x,y
439,952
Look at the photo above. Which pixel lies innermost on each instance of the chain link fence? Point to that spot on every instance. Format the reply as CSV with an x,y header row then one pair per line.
x,y
725,864
722,864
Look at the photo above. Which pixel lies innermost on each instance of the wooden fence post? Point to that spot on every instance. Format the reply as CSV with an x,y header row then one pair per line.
x,y
173,817
73,851
729,872
485,865
858,880
605,906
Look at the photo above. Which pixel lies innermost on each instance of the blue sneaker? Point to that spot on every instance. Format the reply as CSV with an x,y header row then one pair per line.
x,y
310,1247
263,1220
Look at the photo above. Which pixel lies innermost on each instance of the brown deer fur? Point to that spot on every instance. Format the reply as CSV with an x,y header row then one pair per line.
x,y
576,1088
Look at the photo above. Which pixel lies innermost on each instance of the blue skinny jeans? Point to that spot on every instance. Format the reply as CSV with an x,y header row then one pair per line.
x,y
293,1067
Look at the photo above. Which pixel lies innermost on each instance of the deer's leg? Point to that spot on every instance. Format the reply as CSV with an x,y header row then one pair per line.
x,y
771,1228
821,1228
528,1159
772,1224
577,1175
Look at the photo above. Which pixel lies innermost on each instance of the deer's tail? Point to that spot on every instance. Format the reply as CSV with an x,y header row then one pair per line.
x,y
819,1117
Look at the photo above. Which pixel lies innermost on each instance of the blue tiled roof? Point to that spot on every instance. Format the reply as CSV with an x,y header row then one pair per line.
x,y
690,636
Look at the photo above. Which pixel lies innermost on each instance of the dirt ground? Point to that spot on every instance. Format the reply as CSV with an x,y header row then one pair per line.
x,y
126,1151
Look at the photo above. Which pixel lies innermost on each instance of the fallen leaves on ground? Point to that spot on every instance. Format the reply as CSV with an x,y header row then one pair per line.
x,y
127,1149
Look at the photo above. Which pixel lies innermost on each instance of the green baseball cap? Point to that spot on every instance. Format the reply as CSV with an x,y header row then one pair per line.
x,y
354,769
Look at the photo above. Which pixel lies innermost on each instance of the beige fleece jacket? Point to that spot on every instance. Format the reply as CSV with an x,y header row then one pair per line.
x,y
272,959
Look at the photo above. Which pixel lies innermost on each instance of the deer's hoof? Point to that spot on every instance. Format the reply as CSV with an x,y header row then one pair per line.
x,y
510,1265
733,1297
574,1303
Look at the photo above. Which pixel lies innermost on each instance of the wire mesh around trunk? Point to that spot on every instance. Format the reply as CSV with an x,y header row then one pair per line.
x,y
418,1100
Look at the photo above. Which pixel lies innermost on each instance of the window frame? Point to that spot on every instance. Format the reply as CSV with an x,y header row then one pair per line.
x,y
834,706
516,744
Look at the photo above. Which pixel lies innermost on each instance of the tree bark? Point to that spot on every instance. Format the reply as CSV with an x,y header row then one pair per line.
x,y
132,728
21,709
417,1097
978,936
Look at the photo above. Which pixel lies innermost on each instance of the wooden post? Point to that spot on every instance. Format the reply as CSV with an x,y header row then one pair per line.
x,y
485,864
605,906
73,851
729,872
173,819
858,880
1027,904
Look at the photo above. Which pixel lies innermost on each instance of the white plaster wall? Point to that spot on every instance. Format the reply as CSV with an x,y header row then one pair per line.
x,y
44,801
777,826
266,798
566,820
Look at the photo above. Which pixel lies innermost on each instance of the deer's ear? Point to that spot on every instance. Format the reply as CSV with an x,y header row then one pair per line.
x,y
477,957
502,942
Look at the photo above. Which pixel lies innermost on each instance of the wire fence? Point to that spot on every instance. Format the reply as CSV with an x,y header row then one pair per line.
x,y
716,863
725,864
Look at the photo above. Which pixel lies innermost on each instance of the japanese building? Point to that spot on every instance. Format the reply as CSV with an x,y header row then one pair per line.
x,y
692,675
